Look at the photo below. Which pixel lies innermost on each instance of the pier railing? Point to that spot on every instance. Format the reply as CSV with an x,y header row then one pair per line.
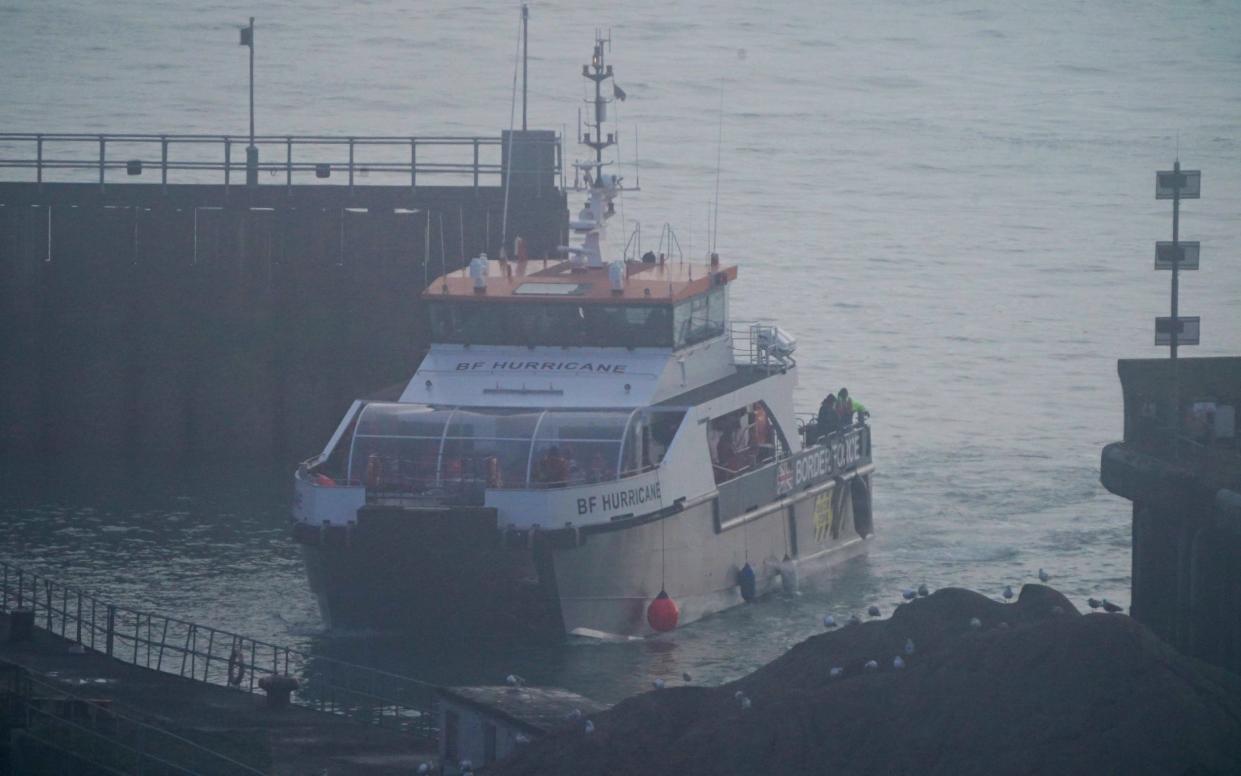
x,y
216,656
90,732
221,159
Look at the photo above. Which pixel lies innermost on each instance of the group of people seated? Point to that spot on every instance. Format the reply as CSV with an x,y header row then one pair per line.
x,y
836,413
558,467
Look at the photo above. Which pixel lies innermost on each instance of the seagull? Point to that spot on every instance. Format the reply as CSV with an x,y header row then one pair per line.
x,y
975,623
898,662
1008,592
745,702
836,672
871,665
659,684
908,594
520,738
687,677
738,695
589,728
1095,603
1111,608
574,716
829,621
909,646
923,591
1043,576
514,680
873,611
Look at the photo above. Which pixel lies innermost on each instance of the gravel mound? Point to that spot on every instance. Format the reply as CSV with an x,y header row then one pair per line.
x,y
1031,687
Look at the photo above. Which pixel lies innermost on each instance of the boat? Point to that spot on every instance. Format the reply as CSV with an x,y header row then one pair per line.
x,y
590,446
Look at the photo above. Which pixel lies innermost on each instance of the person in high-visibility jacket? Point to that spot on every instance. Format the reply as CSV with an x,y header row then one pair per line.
x,y
846,406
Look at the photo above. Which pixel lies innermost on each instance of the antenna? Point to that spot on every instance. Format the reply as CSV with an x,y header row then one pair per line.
x,y
637,171
719,145
525,57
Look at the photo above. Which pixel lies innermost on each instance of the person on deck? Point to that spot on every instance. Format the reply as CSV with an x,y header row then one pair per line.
x,y
846,407
829,420
553,468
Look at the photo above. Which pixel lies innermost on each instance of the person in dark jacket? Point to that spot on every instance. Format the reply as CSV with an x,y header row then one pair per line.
x,y
829,420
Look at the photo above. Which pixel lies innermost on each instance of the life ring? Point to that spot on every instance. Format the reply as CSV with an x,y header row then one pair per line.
x,y
236,668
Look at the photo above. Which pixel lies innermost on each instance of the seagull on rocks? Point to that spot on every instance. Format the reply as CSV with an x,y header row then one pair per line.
x,y
574,716
659,684
1008,592
1095,603
745,702
829,621
909,594
520,738
588,728
1043,576
871,665
909,646
975,623
836,672
513,680
1111,608
898,662
873,611
923,591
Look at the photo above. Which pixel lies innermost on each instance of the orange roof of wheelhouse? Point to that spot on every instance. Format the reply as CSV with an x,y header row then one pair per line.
x,y
541,281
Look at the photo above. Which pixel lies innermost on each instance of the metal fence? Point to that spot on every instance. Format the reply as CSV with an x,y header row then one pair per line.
x,y
221,159
84,731
217,656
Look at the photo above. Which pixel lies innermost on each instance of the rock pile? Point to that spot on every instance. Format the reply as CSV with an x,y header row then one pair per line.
x,y
1031,687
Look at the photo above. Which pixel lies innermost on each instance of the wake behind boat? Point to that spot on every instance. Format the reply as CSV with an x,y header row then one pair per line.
x,y
590,446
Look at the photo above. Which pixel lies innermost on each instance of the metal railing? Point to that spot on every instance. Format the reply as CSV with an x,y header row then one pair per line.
x,y
758,343
90,731
216,656
220,159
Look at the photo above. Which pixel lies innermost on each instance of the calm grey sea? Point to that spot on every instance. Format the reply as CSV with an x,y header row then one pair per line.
x,y
950,203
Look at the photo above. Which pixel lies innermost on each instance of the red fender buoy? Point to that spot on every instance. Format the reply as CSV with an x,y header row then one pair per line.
x,y
662,613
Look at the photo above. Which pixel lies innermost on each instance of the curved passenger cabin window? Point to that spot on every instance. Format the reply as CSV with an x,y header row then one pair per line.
x,y
417,450
744,440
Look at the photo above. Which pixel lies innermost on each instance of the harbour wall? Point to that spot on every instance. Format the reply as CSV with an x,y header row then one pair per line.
x,y
1184,480
188,322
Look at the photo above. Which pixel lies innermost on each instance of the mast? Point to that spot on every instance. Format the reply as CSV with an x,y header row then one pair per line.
x,y
602,188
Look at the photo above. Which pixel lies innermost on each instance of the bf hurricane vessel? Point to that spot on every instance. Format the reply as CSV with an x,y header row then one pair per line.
x,y
589,446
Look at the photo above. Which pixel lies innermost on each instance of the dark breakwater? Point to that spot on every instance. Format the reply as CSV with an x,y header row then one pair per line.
x,y
204,322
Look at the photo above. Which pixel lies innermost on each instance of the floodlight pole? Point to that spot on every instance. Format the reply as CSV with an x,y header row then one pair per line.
x,y
252,152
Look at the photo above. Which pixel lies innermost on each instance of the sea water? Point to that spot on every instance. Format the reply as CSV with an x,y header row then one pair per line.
x,y
950,204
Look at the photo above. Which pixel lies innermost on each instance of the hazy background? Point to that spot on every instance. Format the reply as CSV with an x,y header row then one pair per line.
x,y
951,204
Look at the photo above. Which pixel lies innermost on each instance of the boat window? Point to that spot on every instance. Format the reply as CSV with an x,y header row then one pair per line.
x,y
745,439
488,451
701,317
647,439
564,323
405,448
573,448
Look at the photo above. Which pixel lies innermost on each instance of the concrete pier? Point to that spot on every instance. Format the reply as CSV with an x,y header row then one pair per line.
x,y
1180,465
195,321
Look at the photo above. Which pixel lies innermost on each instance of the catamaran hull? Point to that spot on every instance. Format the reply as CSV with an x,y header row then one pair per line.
x,y
453,569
